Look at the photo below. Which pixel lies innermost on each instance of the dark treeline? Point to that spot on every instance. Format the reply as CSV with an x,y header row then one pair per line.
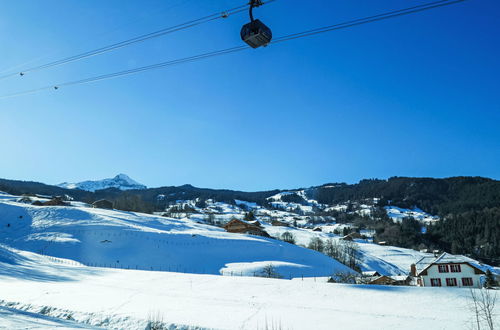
x,y
468,206
435,196
145,200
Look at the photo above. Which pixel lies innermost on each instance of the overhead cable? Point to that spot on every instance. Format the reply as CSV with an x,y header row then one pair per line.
x,y
304,34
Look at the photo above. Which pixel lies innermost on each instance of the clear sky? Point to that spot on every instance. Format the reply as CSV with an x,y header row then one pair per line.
x,y
413,96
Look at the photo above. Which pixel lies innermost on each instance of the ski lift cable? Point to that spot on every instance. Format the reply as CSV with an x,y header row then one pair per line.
x,y
304,34
366,20
135,40
96,35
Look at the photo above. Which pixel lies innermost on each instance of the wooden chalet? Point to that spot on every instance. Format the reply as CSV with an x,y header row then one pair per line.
x,y
245,227
386,280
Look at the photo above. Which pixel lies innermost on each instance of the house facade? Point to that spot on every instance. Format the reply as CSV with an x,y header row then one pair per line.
x,y
448,270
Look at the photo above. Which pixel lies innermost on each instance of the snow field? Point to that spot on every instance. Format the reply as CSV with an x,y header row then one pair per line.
x,y
120,299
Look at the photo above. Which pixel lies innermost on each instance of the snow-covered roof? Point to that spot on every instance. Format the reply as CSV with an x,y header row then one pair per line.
x,y
399,277
446,258
371,273
251,222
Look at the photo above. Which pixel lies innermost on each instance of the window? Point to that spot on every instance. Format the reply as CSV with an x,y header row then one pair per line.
x,y
451,282
435,282
455,268
443,268
467,281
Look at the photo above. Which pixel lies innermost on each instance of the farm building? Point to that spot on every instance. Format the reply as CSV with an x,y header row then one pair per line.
x,y
245,227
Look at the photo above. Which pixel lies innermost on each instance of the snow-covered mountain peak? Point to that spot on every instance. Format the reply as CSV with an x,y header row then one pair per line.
x,y
126,180
121,181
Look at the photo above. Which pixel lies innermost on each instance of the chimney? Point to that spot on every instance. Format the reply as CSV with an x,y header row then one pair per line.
x,y
413,270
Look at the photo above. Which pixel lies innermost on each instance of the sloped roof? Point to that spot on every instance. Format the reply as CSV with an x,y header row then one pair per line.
x,y
447,258
400,277
371,273
253,223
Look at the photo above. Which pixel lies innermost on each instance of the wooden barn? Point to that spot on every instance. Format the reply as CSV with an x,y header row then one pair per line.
x,y
382,280
55,201
245,227
378,279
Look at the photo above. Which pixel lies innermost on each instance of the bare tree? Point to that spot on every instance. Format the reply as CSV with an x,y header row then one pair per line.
x,y
474,306
344,251
288,237
483,306
270,271
316,244
155,321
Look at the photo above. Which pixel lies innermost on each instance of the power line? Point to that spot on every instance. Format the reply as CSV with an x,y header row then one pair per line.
x,y
308,33
135,40
94,36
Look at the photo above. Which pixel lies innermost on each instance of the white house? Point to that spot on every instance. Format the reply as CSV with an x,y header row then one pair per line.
x,y
448,270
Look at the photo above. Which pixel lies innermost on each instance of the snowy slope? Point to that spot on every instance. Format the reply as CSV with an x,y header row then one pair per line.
x,y
387,260
124,299
121,181
139,241
397,214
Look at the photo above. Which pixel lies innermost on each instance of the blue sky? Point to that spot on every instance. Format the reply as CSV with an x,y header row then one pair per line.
x,y
412,96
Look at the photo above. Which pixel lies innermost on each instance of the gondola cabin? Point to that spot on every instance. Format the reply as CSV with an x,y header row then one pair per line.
x,y
256,34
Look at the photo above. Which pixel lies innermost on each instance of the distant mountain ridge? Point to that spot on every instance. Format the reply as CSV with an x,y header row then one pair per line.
x,y
121,182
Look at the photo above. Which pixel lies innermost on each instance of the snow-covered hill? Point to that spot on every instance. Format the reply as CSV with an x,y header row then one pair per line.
x,y
121,181
397,214
110,238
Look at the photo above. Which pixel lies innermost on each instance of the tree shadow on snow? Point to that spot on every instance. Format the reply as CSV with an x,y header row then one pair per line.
x,y
374,287
34,319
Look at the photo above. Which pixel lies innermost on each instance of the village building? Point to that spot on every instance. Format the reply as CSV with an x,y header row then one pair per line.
x,y
382,280
245,227
103,204
351,236
370,273
375,278
275,222
55,201
448,270
402,280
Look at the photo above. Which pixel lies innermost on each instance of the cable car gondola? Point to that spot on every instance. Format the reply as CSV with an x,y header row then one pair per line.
x,y
256,33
